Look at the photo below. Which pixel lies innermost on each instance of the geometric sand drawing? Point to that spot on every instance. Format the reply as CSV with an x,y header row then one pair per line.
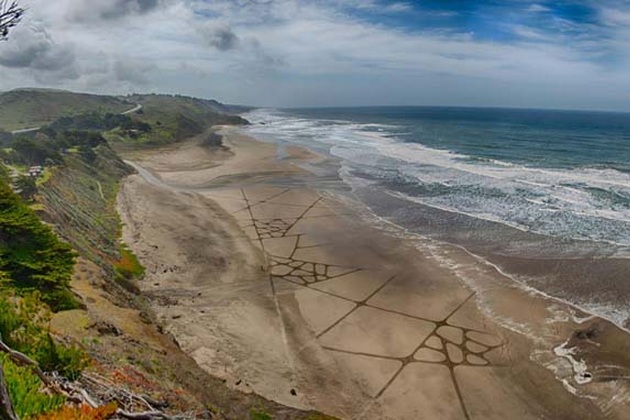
x,y
423,341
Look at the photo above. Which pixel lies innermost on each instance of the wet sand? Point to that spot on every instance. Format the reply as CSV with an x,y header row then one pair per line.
x,y
269,281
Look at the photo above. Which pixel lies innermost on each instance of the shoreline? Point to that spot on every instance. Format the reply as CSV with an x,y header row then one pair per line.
x,y
618,321
580,369
526,288
545,275
455,197
306,338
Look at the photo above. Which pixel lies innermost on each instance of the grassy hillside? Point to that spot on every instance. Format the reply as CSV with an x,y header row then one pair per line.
x,y
172,118
80,201
115,340
35,273
26,108
175,118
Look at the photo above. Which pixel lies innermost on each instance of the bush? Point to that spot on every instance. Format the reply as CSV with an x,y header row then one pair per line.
x,y
25,391
69,361
83,412
259,415
31,255
26,186
34,152
24,327
87,153
128,266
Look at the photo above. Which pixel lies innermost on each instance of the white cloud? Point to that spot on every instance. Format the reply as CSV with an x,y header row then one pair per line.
x,y
615,17
297,52
399,7
537,8
33,48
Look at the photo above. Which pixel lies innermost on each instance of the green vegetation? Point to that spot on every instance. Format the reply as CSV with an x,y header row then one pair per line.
x,y
81,181
259,415
26,186
172,119
48,149
80,200
77,198
28,151
26,108
82,412
128,269
128,266
24,327
32,258
98,122
77,193
25,391
35,271
4,173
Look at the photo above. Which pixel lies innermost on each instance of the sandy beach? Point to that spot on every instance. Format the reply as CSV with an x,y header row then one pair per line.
x,y
271,281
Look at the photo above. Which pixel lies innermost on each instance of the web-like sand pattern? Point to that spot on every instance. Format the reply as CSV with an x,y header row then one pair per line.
x,y
275,218
305,272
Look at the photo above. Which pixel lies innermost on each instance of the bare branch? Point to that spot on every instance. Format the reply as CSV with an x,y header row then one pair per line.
x,y
74,392
22,360
6,408
10,15
147,415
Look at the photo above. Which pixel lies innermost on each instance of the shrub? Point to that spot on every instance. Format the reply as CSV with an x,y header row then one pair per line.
x,y
128,265
69,361
24,327
259,415
25,391
26,186
83,412
31,255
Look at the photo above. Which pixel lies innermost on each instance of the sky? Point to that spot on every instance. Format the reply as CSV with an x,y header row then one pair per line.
x,y
304,53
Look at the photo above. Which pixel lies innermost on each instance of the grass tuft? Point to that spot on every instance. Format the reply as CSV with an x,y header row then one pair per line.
x,y
128,266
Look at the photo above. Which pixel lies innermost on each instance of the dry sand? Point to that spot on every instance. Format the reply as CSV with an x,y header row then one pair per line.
x,y
285,291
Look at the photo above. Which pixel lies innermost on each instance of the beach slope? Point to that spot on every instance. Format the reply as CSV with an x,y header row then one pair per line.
x,y
278,286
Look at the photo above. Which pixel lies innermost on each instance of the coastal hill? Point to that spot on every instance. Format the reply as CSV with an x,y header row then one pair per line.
x,y
22,109
27,108
92,332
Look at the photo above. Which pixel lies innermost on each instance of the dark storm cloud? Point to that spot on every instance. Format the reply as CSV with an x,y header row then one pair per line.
x,y
82,10
265,60
33,48
135,72
221,38
121,8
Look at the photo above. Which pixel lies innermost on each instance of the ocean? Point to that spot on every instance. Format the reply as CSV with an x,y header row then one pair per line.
x,y
542,195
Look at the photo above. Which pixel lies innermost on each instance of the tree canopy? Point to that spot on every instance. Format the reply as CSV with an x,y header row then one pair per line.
x,y
31,256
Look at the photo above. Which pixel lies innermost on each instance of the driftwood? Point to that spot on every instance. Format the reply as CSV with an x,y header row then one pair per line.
x,y
23,360
6,408
77,393
147,415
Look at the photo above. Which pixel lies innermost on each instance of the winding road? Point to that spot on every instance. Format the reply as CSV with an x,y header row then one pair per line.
x,y
136,108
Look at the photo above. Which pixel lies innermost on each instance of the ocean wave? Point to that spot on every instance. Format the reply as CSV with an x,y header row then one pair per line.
x,y
590,202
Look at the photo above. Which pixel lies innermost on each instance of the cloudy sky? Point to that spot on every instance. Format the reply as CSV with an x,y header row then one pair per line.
x,y
547,54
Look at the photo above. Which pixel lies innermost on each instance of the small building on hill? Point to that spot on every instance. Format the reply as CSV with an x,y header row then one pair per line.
x,y
35,171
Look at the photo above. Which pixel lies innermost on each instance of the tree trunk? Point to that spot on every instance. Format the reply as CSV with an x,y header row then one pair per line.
x,y
6,408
